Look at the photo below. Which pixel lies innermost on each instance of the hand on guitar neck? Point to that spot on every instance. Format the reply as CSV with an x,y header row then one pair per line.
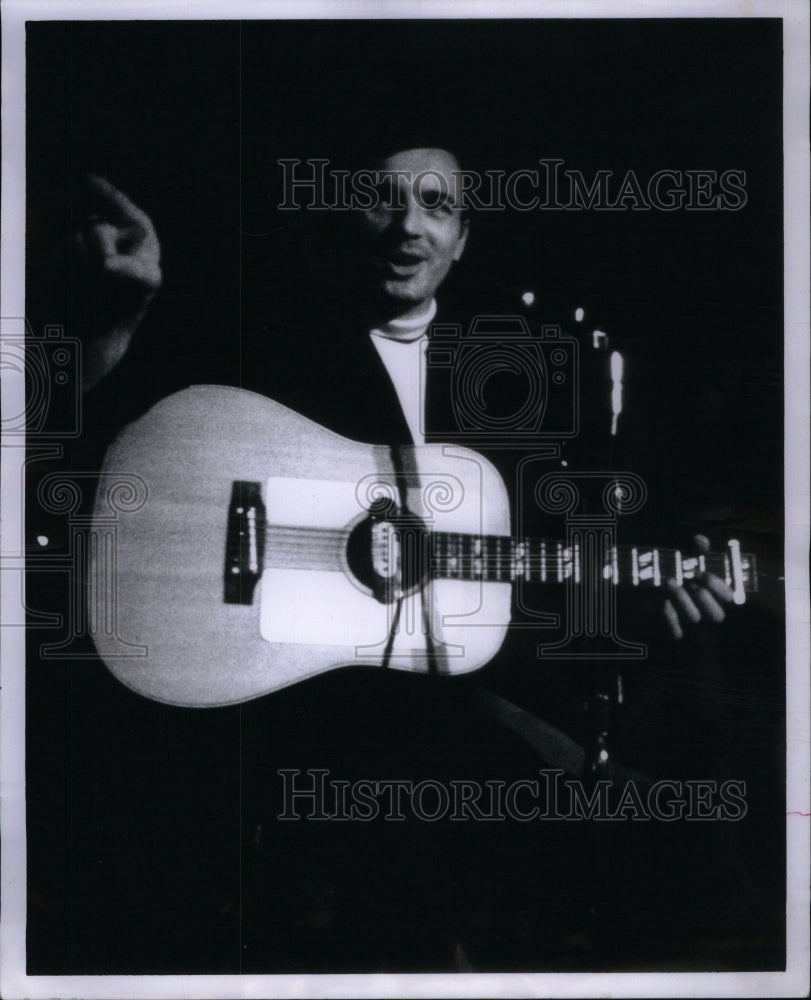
x,y
694,601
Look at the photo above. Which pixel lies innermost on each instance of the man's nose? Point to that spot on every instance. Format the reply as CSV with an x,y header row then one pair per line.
x,y
411,218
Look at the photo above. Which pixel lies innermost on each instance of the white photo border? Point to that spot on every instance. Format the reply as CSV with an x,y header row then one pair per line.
x,y
794,981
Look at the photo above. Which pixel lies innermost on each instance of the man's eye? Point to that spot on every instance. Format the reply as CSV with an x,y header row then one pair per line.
x,y
437,202
434,201
388,195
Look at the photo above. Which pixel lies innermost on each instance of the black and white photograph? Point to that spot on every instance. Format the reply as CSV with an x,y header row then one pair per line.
x,y
405,499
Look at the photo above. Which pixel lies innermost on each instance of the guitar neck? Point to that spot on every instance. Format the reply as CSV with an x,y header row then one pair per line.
x,y
494,558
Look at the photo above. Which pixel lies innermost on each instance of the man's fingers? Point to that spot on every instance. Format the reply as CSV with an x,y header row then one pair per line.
x,y
102,239
698,599
143,272
717,587
709,607
702,543
104,242
120,236
114,205
672,619
682,602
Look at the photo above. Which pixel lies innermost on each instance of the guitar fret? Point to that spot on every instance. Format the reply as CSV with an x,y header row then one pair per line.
x,y
737,571
496,558
751,573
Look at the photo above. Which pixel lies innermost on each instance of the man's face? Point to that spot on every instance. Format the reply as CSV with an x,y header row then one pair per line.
x,y
416,231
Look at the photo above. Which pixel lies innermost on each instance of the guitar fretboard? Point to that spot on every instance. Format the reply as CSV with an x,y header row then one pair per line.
x,y
493,558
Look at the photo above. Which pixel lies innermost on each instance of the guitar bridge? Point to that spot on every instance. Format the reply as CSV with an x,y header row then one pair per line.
x,y
244,543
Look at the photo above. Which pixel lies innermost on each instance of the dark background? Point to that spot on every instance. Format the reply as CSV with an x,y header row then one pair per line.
x,y
189,119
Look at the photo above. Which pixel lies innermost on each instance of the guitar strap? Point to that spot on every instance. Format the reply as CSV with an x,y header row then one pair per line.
x,y
395,622
405,475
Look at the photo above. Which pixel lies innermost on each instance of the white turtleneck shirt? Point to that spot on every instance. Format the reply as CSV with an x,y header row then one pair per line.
x,y
401,345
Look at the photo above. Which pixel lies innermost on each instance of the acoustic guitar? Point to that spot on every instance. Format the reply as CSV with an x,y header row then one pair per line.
x,y
256,549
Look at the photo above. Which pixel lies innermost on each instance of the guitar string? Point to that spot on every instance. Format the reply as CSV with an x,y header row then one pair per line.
x,y
293,546
330,538
342,534
553,571
315,537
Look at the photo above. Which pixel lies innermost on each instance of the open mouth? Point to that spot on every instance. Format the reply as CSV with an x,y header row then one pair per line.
x,y
403,257
401,264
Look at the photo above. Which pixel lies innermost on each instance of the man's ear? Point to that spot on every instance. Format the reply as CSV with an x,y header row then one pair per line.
x,y
460,246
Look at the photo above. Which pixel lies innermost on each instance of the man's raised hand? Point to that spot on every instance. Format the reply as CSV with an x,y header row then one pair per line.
x,y
119,237
119,253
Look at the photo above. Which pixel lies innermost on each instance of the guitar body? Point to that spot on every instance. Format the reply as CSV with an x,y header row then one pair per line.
x,y
157,592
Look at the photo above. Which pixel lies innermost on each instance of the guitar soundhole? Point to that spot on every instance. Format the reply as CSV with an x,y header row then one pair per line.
x,y
388,552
